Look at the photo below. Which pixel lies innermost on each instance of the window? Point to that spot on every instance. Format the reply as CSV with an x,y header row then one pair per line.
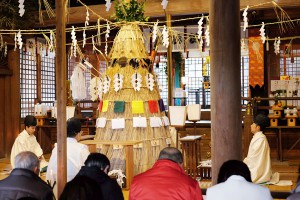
x,y
48,80
28,83
245,77
290,63
162,78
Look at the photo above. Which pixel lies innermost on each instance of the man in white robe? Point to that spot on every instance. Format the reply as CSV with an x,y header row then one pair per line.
x,y
258,159
76,152
26,141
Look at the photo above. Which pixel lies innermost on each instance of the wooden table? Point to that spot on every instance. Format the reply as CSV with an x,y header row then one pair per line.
x,y
279,138
128,146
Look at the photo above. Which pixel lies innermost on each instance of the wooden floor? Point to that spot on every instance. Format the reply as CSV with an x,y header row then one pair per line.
x,y
288,171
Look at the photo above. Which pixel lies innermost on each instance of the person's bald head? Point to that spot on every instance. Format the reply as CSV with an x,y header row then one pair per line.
x,y
171,153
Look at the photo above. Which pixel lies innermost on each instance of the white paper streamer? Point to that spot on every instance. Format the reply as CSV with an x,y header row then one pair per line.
x,y
16,41
164,3
107,5
262,32
136,80
165,34
245,19
150,81
154,33
19,40
87,18
106,84
21,8
118,81
200,27
74,42
94,88
207,33
78,86
277,45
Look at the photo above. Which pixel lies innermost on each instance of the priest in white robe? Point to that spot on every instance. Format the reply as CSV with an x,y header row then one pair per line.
x,y
26,141
258,159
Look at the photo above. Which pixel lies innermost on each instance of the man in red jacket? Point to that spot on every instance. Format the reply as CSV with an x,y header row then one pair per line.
x,y
166,180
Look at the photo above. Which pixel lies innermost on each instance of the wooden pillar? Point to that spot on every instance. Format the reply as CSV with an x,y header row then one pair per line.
x,y
170,76
61,74
226,127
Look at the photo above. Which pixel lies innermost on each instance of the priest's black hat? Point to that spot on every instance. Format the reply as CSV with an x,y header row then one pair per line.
x,y
262,121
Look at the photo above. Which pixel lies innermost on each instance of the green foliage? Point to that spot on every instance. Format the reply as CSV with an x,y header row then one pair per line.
x,y
130,12
9,14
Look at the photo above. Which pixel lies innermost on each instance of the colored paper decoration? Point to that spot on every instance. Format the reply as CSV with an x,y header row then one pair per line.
x,y
137,107
100,106
153,106
161,105
105,106
119,106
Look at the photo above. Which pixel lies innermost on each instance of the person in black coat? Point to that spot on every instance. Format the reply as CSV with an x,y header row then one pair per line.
x,y
96,167
24,180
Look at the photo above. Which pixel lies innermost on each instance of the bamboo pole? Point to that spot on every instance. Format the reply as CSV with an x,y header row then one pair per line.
x,y
61,68
170,77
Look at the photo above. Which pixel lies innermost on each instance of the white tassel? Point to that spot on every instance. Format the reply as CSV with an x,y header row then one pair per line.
x,y
78,86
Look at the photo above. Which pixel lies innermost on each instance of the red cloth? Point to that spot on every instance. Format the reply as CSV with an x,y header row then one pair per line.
x,y
100,106
153,106
166,180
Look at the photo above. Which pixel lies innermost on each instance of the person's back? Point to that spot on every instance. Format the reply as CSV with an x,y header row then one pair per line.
x,y
24,181
166,180
76,152
234,183
96,167
81,188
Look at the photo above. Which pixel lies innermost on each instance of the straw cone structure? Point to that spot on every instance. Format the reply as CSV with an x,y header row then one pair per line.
x,y
129,43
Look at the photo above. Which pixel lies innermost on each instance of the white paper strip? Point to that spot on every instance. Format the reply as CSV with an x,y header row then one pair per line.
x,y
101,122
155,122
118,123
139,122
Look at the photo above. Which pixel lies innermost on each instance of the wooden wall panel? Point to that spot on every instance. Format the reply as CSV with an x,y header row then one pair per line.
x,y
12,102
2,116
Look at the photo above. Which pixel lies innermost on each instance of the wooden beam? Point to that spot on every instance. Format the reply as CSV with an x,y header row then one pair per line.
x,y
61,72
153,9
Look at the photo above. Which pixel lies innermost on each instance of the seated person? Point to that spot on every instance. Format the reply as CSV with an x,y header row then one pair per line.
x,y
26,141
166,180
234,183
258,159
96,167
81,188
24,181
76,152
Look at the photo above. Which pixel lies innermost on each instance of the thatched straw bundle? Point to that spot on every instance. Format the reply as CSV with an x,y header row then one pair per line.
x,y
130,45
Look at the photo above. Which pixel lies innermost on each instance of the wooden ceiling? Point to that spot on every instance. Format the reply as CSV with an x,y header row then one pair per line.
x,y
153,9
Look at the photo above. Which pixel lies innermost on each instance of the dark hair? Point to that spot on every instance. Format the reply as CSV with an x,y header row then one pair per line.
x,y
262,121
233,167
81,188
30,121
97,160
73,127
27,198
171,153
